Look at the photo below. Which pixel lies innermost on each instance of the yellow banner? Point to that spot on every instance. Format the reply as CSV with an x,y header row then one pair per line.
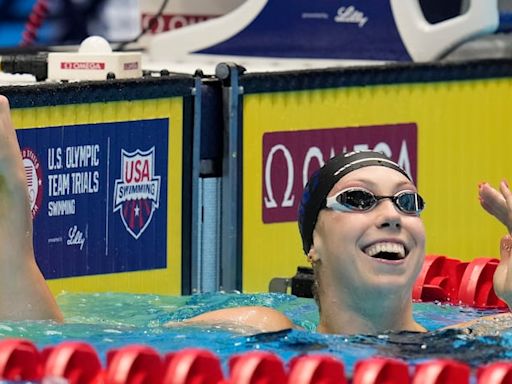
x,y
460,134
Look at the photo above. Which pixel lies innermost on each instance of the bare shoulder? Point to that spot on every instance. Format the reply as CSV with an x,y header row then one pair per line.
x,y
262,319
486,325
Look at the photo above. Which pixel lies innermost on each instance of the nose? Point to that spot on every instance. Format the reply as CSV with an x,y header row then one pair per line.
x,y
388,216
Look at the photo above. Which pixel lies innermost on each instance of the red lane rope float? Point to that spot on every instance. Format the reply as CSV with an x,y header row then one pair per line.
x,y
20,360
310,369
439,279
134,364
380,370
192,365
78,363
477,284
495,373
442,371
449,280
256,367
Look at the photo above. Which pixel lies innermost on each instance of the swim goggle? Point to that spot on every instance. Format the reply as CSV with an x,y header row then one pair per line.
x,y
357,199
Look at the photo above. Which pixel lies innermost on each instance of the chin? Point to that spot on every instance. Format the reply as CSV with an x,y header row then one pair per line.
x,y
393,284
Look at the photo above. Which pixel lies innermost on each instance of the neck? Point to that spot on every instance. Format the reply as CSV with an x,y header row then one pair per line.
x,y
367,316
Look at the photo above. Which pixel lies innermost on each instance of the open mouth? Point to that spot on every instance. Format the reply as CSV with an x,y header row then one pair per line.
x,y
386,251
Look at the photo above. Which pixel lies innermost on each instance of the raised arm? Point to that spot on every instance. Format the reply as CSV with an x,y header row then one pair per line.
x,y
499,204
24,294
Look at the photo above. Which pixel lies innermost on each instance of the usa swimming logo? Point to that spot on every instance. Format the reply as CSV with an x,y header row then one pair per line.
x,y
137,193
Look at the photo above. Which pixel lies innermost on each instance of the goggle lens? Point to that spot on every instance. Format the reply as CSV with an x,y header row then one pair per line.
x,y
409,202
357,199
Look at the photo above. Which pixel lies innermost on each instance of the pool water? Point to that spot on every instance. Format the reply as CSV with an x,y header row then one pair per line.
x,y
111,320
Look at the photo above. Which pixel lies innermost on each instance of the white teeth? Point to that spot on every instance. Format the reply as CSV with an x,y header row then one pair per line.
x,y
376,248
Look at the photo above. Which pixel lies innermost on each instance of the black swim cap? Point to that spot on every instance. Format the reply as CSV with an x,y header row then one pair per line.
x,y
322,181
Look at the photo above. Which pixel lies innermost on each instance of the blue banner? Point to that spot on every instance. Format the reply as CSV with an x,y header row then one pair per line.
x,y
327,29
98,194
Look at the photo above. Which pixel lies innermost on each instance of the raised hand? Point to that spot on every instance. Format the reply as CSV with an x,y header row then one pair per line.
x,y
497,203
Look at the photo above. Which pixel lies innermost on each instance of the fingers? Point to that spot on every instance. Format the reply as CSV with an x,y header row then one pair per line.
x,y
505,192
493,202
488,195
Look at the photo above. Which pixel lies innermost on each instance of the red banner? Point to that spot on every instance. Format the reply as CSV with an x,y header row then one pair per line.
x,y
289,158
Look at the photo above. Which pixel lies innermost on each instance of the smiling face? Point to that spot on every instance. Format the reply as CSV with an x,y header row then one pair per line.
x,y
381,249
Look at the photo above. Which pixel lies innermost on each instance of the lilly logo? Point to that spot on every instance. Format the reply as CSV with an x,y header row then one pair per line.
x,y
75,237
351,15
137,193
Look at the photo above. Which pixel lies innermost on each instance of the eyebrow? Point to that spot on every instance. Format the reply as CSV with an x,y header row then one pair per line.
x,y
374,184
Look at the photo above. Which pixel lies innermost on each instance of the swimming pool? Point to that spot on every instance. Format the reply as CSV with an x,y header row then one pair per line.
x,y
112,320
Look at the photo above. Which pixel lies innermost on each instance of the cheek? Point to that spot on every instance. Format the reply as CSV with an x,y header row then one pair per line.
x,y
417,230
419,233
336,240
336,231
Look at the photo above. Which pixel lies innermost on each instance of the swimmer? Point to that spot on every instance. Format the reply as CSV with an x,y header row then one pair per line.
x,y
361,229
24,294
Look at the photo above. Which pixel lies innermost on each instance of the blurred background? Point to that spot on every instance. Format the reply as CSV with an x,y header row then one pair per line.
x,y
63,22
